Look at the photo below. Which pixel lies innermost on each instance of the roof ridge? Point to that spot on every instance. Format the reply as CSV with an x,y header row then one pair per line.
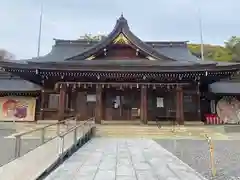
x,y
121,26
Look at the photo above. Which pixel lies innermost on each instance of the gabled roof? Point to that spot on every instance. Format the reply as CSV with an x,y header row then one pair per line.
x,y
140,65
121,28
78,50
63,49
81,49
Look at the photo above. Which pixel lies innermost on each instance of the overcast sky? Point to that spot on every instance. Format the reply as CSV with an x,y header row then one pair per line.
x,y
148,19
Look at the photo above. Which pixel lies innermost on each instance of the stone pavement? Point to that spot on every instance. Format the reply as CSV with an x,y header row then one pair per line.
x,y
123,159
196,154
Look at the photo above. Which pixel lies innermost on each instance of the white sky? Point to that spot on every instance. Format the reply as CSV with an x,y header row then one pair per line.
x,y
149,20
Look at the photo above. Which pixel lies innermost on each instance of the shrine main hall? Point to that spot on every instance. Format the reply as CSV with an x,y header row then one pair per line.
x,y
119,77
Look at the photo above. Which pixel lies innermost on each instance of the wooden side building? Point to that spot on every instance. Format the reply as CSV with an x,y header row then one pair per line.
x,y
121,78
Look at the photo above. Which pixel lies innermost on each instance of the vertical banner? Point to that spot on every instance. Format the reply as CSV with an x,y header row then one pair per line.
x,y
17,108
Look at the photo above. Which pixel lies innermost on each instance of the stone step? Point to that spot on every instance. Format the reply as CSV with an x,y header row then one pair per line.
x,y
150,131
145,133
169,135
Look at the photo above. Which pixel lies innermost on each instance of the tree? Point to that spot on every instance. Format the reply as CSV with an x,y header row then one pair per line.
x,y
91,37
5,55
233,44
211,52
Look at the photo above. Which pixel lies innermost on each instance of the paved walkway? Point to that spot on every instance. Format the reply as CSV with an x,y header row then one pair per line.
x,y
123,159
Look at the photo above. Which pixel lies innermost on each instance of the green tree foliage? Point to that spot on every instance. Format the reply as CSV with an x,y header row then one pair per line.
x,y
212,52
229,52
233,44
91,37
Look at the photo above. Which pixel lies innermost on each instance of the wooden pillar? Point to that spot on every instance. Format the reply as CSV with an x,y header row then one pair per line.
x,y
42,104
74,101
62,101
81,105
143,108
69,99
99,104
198,102
179,106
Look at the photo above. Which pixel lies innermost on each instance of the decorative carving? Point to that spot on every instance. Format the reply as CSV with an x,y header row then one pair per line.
x,y
91,57
228,109
150,58
121,39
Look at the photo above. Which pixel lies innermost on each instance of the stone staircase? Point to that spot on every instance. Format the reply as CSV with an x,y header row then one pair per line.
x,y
153,132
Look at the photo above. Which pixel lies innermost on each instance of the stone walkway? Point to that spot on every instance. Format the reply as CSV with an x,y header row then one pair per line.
x,y
123,159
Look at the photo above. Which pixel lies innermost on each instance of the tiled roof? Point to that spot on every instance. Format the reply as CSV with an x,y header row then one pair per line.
x,y
226,86
17,85
9,82
68,49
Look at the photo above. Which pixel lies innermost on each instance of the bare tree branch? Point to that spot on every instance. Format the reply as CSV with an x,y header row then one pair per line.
x,y
6,55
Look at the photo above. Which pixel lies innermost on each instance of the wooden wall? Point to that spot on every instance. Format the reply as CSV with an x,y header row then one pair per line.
x,y
83,103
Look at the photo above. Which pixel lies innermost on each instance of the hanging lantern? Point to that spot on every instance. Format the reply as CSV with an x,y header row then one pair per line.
x,y
137,52
105,51
73,88
206,73
168,87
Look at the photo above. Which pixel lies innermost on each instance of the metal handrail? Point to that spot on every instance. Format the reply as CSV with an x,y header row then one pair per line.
x,y
42,129
74,129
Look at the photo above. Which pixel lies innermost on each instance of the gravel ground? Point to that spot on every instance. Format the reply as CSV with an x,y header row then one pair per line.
x,y
195,153
7,146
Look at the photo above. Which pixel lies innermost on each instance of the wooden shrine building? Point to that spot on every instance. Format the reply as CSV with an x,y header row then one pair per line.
x,y
120,78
